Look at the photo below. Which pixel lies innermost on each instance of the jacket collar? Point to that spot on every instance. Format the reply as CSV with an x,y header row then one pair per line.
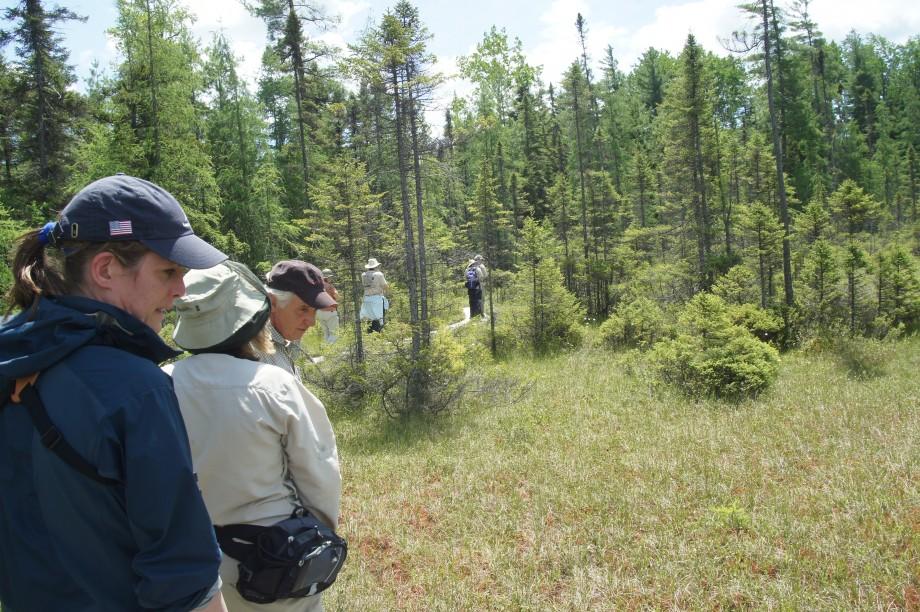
x,y
39,337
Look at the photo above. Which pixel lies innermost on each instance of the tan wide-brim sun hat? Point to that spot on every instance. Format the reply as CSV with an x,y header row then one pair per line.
x,y
371,264
221,307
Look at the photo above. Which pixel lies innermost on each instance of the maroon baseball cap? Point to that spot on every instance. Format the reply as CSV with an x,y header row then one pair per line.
x,y
303,280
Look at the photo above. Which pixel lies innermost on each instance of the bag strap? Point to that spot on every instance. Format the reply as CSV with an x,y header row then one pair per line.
x,y
25,393
238,539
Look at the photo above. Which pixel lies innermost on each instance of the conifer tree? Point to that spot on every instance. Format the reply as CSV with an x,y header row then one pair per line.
x,y
41,109
687,120
344,208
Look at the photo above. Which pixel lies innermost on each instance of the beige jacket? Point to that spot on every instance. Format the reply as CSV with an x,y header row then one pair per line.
x,y
260,440
374,283
261,443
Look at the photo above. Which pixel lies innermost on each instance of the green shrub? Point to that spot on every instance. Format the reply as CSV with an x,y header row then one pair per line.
x,y
9,231
540,313
763,324
392,379
737,286
636,324
862,357
713,356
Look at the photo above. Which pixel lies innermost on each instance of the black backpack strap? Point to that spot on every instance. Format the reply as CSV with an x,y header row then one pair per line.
x,y
25,393
238,539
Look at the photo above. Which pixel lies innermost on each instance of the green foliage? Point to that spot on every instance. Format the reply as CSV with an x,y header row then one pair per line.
x,y
635,324
899,288
39,108
737,286
763,324
814,221
9,231
398,383
712,356
551,323
820,292
854,208
539,313
733,517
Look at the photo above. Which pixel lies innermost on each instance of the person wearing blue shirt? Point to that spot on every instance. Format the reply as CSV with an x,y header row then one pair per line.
x,y
93,288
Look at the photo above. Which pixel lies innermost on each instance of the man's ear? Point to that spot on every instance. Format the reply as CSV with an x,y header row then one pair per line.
x,y
102,269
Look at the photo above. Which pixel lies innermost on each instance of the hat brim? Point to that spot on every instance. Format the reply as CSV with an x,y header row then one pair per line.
x,y
367,267
188,251
205,331
323,300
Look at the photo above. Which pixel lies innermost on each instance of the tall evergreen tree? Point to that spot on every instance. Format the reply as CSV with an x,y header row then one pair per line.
x,y
687,118
44,107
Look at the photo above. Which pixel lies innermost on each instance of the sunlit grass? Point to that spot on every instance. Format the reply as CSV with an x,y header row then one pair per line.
x,y
599,491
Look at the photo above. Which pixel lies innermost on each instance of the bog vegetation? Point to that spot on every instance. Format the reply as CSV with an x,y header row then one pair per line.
x,y
578,482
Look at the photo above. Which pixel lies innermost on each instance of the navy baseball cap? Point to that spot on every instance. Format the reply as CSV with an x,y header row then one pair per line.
x,y
303,280
123,207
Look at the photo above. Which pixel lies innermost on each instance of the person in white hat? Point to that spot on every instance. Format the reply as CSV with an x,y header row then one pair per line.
x,y
328,318
262,444
476,272
375,303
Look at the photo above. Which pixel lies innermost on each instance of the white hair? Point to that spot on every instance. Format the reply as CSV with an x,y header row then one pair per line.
x,y
283,297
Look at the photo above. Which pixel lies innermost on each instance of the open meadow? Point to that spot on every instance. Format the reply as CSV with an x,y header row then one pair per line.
x,y
574,483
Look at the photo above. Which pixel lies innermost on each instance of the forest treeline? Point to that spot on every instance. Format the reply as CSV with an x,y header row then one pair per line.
x,y
781,177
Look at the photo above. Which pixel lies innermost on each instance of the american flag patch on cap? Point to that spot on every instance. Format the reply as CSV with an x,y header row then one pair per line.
x,y
119,228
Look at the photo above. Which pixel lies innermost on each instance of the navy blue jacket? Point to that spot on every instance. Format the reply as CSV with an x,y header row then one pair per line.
x,y
68,542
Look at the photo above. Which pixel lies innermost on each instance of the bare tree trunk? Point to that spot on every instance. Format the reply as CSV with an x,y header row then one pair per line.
x,y
419,212
778,154
407,217
584,203
354,276
154,110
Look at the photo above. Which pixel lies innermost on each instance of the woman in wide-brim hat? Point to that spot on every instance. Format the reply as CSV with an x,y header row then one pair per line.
x,y
262,444
375,303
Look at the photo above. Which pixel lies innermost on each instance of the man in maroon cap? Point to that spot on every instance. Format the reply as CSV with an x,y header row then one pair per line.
x,y
296,291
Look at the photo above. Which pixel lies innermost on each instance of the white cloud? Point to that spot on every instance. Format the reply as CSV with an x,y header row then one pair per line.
x,y
244,32
707,20
558,44
897,20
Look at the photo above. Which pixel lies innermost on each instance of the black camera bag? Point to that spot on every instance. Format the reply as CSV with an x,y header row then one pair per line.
x,y
297,557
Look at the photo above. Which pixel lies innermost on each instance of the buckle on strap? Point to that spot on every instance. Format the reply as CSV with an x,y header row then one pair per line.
x,y
51,437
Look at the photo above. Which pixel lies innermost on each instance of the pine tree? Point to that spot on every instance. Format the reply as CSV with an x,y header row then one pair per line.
x,y
155,120
344,206
43,108
686,116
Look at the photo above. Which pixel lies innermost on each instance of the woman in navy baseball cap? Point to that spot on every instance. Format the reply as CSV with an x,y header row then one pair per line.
x,y
101,509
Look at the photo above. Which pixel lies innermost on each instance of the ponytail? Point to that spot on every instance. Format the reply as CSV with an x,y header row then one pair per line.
x,y
31,275
43,269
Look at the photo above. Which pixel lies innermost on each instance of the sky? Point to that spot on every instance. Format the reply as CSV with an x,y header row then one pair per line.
x,y
546,29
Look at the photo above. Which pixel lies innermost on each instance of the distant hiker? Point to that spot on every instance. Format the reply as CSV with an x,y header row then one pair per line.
x,y
100,507
328,319
476,272
296,291
375,303
262,444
